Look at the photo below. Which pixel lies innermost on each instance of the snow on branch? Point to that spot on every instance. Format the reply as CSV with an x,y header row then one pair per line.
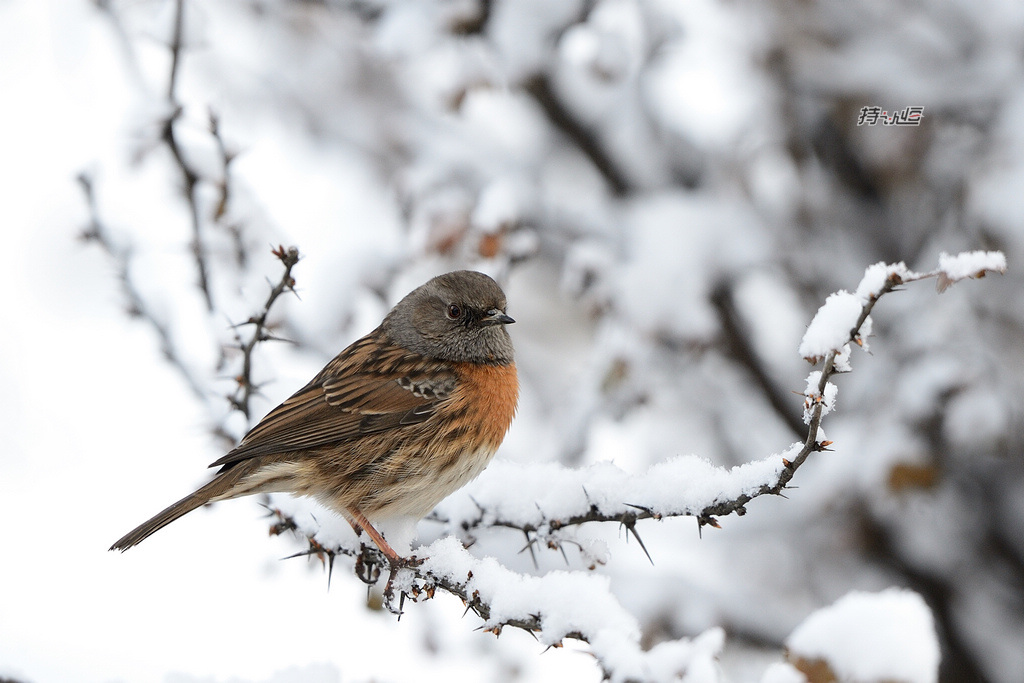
x,y
559,605
550,499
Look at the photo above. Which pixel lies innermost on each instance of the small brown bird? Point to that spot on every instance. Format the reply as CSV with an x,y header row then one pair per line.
x,y
393,424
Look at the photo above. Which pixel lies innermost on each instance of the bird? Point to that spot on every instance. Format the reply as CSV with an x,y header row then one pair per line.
x,y
393,424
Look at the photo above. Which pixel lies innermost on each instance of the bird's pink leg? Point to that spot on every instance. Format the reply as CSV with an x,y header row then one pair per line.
x,y
360,523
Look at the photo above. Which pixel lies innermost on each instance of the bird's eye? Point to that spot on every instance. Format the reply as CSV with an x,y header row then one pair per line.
x,y
454,312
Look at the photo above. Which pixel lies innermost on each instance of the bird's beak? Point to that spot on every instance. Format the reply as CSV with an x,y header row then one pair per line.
x,y
496,317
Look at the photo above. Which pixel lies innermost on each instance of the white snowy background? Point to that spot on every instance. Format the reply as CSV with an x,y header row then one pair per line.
x,y
667,191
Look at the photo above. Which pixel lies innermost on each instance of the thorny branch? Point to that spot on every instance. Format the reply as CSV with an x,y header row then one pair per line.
x,y
545,533
708,515
418,583
261,331
137,306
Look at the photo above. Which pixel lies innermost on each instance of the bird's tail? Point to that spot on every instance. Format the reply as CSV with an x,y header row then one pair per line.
x,y
220,488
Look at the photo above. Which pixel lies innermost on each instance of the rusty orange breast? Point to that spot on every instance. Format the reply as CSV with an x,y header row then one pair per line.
x,y
487,397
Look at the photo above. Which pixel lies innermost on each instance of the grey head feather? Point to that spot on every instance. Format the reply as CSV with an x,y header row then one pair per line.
x,y
459,316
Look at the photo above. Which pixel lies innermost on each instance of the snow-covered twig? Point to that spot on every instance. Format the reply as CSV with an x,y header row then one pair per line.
x,y
557,606
691,486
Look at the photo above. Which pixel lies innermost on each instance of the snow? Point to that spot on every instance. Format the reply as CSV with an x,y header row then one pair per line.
x,y
704,63
875,277
968,264
831,327
550,491
498,207
888,635
827,398
782,672
574,602
664,284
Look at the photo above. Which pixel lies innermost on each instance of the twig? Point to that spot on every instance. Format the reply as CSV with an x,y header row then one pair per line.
x,y
189,176
240,400
224,192
540,88
738,342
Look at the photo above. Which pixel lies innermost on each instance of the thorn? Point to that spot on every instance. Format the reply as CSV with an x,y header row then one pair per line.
x,y
631,527
707,520
529,546
301,553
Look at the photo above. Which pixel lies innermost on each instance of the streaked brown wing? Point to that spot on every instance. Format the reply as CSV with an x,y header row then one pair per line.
x,y
361,391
